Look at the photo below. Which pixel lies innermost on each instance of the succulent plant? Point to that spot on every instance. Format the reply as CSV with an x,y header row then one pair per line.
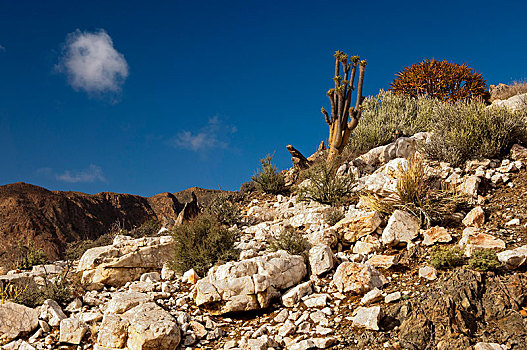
x,y
446,81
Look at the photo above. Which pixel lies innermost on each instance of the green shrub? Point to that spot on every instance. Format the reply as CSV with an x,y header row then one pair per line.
x,y
223,209
29,256
291,241
333,215
324,186
268,179
202,242
147,229
468,130
75,250
446,257
484,260
386,113
58,288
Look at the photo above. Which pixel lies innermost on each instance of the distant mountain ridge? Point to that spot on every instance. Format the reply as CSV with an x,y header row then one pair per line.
x,y
53,218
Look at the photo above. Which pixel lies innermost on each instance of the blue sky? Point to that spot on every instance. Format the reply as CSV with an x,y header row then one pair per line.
x,y
147,97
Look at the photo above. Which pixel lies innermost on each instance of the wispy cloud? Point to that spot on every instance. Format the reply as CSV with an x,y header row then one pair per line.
x,y
91,63
2,49
215,134
93,173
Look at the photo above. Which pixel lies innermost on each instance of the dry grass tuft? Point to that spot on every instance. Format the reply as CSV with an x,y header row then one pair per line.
x,y
415,195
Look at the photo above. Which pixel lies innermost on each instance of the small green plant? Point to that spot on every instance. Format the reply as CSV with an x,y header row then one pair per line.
x,y
268,179
333,215
484,260
446,257
291,241
30,256
324,185
223,209
201,243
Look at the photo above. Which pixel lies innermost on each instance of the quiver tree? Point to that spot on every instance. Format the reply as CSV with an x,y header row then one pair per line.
x,y
343,117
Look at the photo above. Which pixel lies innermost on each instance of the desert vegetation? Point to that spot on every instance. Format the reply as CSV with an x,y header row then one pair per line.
x,y
377,229
223,208
268,179
290,240
201,243
446,257
442,80
323,185
343,118
29,255
460,130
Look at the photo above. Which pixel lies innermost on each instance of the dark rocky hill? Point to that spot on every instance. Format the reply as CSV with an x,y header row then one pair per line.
x,y
53,218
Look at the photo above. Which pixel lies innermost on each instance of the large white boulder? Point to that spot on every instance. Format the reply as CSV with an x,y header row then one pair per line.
x,y
367,317
293,295
514,258
143,327
357,224
16,320
401,227
513,103
125,260
72,330
321,259
51,312
248,284
124,301
151,327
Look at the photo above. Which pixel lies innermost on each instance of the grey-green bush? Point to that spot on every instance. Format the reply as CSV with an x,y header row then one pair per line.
x,y
385,113
333,215
291,241
201,243
58,288
223,209
29,256
268,179
467,130
324,186
147,229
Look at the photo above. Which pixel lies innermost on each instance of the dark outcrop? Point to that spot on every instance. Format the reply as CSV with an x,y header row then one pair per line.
x,y
53,218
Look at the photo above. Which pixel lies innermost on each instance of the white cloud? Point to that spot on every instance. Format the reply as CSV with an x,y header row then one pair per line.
x,y
91,62
91,174
213,135
2,48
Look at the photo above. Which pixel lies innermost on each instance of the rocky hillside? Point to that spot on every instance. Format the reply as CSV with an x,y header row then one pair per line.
x,y
53,218
425,254
366,282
